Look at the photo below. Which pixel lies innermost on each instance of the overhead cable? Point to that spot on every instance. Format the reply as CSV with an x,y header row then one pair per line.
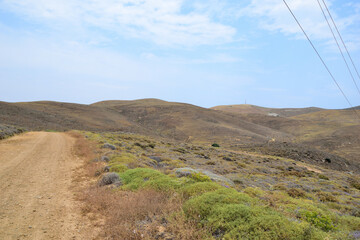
x,y
332,19
337,43
323,62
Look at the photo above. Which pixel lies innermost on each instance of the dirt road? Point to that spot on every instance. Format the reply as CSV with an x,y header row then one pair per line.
x,y
37,199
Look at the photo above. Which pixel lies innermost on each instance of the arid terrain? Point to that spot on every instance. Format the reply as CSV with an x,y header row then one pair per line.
x,y
334,131
151,169
37,200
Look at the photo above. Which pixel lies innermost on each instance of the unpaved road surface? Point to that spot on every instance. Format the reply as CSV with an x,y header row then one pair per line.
x,y
37,200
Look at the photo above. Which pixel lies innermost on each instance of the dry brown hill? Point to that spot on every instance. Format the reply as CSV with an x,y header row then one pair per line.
x,y
60,116
330,131
247,109
147,116
186,121
334,131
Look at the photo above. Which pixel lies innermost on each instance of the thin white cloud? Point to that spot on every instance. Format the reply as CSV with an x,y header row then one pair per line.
x,y
274,16
208,59
160,21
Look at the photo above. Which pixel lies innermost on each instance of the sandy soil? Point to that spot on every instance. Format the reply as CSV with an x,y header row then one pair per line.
x,y
37,193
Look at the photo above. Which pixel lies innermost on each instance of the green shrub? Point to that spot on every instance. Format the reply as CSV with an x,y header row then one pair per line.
x,y
232,215
200,207
124,158
321,176
200,177
148,178
199,188
119,168
228,217
320,221
254,192
215,145
269,225
349,223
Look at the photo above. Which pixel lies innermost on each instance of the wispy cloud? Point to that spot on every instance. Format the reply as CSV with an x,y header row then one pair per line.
x,y
163,22
274,16
208,59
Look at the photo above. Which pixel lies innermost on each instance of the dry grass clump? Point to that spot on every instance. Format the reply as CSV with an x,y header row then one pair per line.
x,y
145,214
296,193
326,197
82,147
94,169
355,183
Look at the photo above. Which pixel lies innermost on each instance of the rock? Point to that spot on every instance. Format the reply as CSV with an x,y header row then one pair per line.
x,y
218,178
156,158
227,159
106,169
105,159
109,179
108,145
186,171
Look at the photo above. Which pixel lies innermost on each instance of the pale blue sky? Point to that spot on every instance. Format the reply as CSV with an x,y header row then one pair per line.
x,y
203,52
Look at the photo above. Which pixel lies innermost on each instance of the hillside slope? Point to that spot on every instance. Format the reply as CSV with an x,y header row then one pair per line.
x,y
148,116
334,131
247,109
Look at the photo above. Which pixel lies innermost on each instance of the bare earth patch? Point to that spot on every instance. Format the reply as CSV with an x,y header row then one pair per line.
x,y
40,179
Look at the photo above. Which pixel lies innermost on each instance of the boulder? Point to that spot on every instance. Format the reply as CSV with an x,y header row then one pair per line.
x,y
108,145
106,169
105,159
156,158
110,179
186,171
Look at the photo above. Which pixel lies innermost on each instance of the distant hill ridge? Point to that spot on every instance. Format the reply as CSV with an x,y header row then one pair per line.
x,y
145,116
335,131
252,109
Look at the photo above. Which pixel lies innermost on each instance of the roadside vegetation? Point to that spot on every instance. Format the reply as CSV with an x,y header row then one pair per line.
x,y
172,190
9,131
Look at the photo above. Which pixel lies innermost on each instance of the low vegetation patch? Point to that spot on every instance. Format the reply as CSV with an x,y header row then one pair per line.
x,y
141,178
9,131
154,202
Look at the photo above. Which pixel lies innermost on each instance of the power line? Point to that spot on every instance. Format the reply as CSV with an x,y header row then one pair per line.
x,y
323,62
332,19
337,43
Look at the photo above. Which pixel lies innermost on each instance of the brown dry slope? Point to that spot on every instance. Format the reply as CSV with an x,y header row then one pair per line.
x,y
36,196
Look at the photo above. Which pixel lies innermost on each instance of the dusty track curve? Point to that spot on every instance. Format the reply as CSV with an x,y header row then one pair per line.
x,y
37,199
